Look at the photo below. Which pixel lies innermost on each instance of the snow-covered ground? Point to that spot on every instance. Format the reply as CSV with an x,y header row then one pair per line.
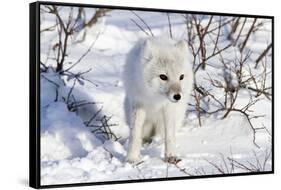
x,y
72,152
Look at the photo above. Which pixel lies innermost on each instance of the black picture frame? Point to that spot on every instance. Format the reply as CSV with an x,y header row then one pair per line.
x,y
34,93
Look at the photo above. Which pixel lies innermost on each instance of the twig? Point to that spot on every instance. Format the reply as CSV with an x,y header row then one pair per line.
x,y
251,125
263,54
170,27
140,27
87,123
49,80
240,31
70,91
143,22
248,35
84,54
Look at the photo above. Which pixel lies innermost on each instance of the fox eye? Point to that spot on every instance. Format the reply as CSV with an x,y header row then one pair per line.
x,y
163,77
181,77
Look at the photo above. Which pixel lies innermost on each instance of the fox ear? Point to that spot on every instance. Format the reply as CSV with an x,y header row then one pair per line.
x,y
149,49
149,45
181,45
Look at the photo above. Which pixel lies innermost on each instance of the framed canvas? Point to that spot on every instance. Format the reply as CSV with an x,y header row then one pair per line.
x,y
126,94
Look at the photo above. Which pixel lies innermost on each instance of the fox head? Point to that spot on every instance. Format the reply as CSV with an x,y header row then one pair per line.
x,y
166,70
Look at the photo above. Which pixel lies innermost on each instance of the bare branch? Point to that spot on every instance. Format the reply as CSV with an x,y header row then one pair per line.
x,y
146,25
170,27
263,54
248,35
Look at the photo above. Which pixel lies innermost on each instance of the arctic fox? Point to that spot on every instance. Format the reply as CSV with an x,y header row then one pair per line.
x,y
158,80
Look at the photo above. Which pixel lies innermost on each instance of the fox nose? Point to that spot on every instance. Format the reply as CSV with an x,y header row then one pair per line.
x,y
177,97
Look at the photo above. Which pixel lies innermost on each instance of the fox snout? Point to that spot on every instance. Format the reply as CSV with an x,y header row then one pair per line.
x,y
175,97
175,92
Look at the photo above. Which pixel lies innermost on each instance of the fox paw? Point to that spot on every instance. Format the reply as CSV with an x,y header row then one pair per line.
x,y
133,159
172,159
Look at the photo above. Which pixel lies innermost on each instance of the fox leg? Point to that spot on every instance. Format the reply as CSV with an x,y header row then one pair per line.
x,y
169,133
137,121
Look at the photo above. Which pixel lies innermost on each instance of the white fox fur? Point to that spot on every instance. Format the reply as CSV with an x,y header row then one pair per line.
x,y
154,104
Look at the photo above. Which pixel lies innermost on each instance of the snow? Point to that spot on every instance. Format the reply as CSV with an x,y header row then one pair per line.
x,y
62,138
72,153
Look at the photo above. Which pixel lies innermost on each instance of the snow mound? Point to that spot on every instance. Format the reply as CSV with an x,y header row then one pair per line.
x,y
64,138
232,132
